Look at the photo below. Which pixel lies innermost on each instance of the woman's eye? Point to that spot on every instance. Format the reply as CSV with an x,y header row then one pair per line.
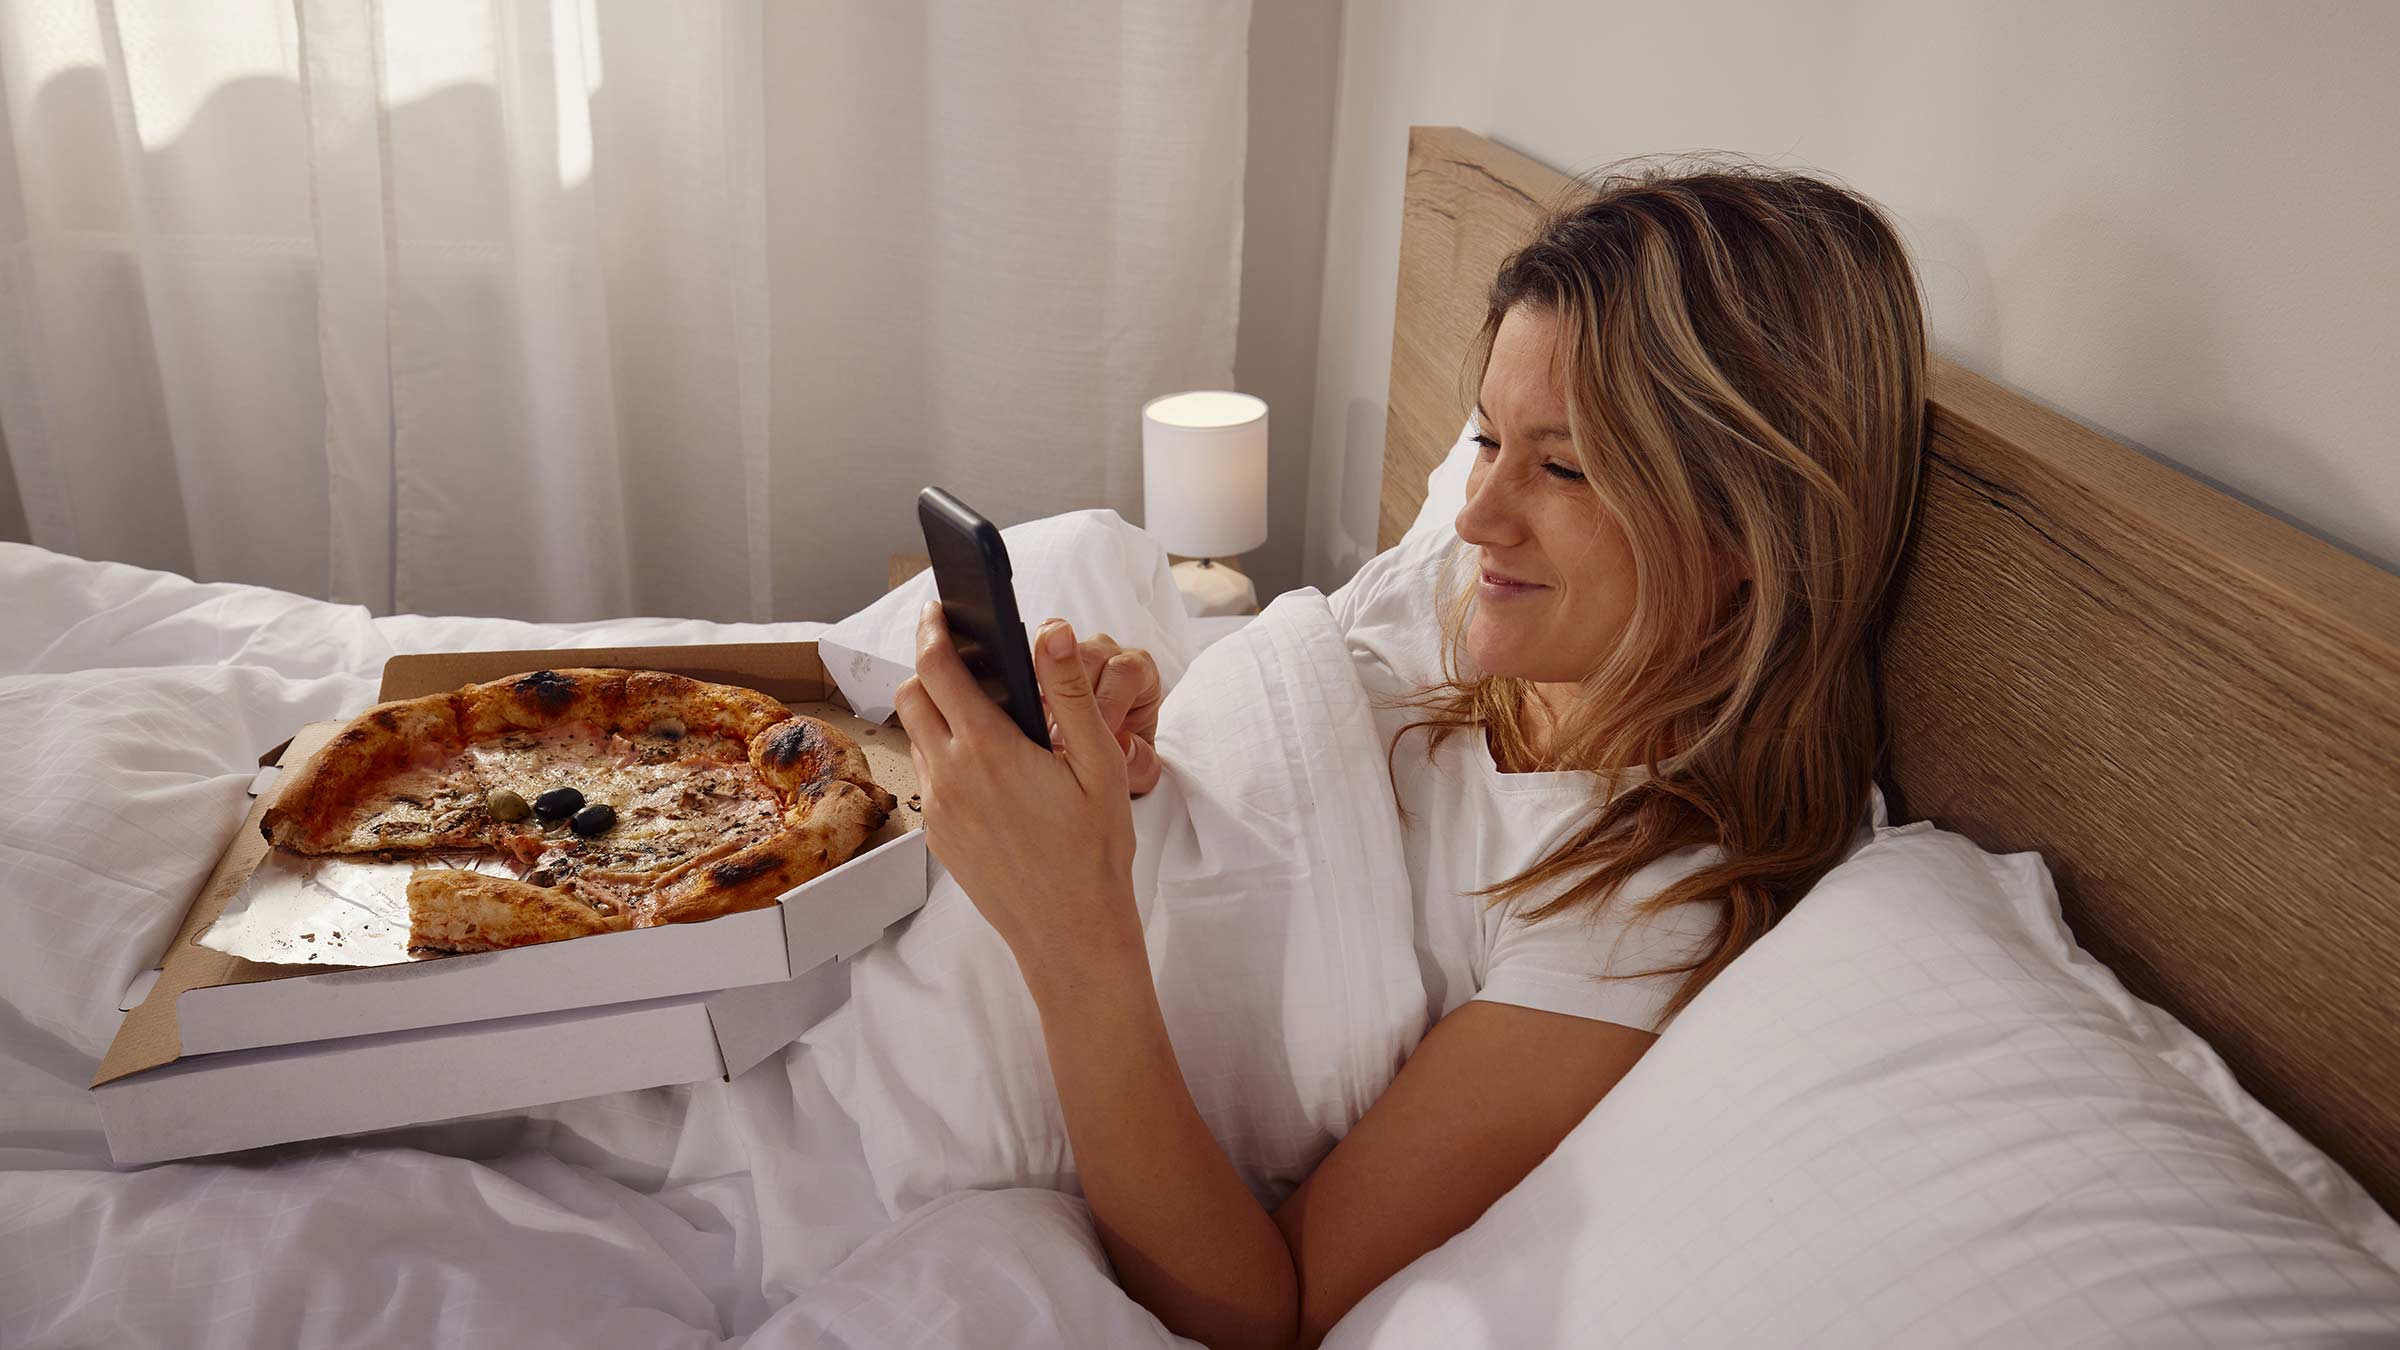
x,y
1565,473
1485,441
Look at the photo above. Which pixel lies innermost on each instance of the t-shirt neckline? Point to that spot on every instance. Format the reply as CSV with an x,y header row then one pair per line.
x,y
1537,782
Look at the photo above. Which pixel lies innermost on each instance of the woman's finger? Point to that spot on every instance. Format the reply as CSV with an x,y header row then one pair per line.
x,y
1113,688
924,723
1127,684
1141,767
1095,653
943,674
1091,748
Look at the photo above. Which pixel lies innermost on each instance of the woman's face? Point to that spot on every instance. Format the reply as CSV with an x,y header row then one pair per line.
x,y
1557,584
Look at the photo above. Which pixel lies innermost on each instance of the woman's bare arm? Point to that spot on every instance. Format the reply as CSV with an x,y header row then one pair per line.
x,y
1490,1091
1187,1238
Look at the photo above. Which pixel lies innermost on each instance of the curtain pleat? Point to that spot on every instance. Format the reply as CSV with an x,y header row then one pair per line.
x,y
580,308
341,83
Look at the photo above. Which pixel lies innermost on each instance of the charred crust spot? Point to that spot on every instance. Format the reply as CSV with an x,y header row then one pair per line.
x,y
385,718
788,743
546,690
734,871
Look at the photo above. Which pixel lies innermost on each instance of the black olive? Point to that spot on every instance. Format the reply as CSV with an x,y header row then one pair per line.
x,y
558,803
593,819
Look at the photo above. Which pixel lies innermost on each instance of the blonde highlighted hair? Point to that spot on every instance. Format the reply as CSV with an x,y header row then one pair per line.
x,y
1743,355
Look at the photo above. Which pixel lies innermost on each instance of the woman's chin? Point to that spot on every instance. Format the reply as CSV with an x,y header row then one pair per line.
x,y
1521,650
1494,647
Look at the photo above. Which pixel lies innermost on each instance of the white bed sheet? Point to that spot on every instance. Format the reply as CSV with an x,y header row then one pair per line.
x,y
134,705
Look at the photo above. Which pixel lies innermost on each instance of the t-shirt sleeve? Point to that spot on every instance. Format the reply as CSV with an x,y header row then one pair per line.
x,y
1573,964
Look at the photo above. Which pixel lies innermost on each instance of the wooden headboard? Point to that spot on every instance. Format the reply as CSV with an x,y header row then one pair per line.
x,y
2191,709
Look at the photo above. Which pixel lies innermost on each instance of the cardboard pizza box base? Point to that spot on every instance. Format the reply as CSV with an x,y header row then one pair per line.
x,y
222,1054
225,1103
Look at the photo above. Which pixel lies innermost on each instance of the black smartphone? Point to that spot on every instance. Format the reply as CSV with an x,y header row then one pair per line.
x,y
970,569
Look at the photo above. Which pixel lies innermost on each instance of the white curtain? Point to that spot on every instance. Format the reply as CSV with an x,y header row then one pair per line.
x,y
594,307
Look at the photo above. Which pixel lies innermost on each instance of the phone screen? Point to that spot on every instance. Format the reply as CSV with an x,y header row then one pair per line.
x,y
971,571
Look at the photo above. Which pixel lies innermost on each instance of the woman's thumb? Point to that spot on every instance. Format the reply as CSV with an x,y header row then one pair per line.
x,y
1068,686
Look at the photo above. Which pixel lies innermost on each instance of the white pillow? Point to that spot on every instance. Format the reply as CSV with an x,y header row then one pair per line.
x,y
1089,567
1446,486
1915,1114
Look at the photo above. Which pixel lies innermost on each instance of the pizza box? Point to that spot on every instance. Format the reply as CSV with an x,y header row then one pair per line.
x,y
219,1053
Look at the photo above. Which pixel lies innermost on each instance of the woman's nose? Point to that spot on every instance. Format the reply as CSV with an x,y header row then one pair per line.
x,y
1487,519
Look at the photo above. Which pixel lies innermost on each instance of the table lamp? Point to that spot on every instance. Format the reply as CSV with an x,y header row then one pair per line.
x,y
1204,491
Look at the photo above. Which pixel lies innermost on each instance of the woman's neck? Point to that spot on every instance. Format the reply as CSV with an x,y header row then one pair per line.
x,y
1543,709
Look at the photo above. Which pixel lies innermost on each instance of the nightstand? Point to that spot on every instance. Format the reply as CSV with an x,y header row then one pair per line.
x,y
901,567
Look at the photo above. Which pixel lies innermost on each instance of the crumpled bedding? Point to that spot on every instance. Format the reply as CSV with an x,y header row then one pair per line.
x,y
897,1179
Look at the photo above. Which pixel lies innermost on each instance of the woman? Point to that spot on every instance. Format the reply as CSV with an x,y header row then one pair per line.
x,y
1647,721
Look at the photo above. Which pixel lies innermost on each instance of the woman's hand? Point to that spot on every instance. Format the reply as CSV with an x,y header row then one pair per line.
x,y
1041,839
1125,682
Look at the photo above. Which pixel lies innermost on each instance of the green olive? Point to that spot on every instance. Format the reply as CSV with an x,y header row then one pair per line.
x,y
505,805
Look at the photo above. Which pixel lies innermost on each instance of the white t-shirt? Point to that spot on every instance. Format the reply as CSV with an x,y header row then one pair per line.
x,y
1466,825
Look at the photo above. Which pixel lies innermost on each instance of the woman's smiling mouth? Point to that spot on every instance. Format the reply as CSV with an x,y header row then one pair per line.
x,y
1500,586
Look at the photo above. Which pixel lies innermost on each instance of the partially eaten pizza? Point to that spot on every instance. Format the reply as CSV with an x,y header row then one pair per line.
x,y
616,798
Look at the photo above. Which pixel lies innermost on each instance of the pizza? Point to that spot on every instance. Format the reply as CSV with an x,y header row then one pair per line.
x,y
615,798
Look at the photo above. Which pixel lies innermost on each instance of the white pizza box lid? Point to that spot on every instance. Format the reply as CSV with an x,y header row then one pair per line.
x,y
209,1013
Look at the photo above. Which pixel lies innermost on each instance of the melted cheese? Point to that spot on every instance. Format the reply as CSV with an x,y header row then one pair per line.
x,y
678,802
429,806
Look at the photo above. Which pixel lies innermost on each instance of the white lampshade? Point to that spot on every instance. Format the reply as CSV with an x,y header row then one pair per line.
x,y
1204,472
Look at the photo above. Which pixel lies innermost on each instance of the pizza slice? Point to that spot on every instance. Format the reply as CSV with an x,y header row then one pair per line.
x,y
451,909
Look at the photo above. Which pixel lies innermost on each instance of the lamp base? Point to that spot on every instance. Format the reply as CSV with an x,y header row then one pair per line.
x,y
1211,589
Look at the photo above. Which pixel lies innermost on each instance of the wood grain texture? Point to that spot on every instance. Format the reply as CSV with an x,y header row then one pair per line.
x,y
2191,709
1469,203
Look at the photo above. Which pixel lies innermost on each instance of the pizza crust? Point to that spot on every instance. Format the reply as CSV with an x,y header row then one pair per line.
x,y
402,778
819,835
309,814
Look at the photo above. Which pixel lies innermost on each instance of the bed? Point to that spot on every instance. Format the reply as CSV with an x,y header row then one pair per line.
x,y
1896,1122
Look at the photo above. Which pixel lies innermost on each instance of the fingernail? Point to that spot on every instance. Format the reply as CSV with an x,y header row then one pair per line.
x,y
1059,641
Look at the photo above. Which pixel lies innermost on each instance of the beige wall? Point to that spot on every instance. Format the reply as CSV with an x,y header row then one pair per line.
x,y
1295,48
2179,222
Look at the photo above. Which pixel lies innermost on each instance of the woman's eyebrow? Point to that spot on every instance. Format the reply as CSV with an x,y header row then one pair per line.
x,y
1483,423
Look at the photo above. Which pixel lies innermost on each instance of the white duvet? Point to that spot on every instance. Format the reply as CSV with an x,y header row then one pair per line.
x,y
898,1179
